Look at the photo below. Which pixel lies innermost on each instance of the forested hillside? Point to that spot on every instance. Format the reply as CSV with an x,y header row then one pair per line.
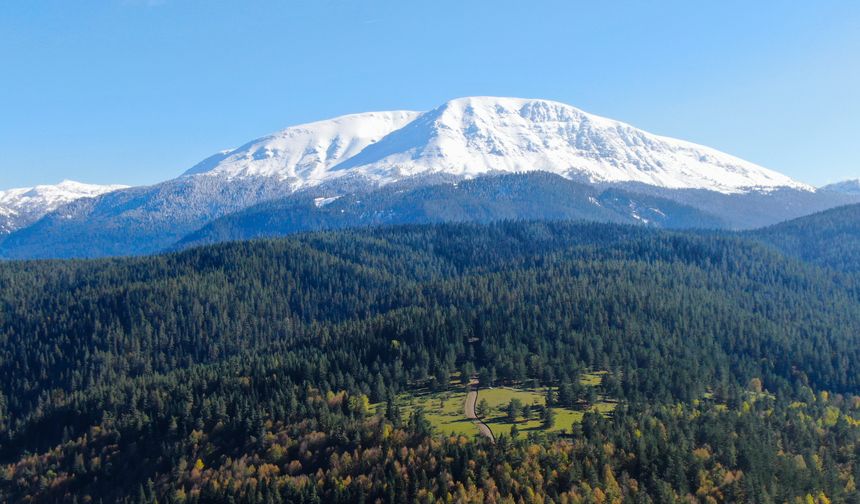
x,y
522,196
830,238
267,371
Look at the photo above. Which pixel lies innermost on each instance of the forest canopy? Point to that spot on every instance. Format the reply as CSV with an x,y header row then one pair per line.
x,y
246,372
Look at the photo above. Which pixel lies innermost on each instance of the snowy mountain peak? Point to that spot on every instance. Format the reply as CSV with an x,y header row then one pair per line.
x,y
22,206
472,136
476,135
851,187
306,152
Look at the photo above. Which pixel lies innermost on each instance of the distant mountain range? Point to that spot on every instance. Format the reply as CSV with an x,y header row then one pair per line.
x,y
845,187
23,206
477,158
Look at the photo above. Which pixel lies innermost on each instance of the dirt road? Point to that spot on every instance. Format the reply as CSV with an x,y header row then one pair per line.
x,y
469,410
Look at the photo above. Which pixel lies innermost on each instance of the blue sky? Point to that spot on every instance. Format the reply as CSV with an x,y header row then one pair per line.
x,y
136,91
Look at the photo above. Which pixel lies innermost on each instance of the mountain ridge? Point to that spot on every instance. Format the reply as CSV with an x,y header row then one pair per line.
x,y
22,206
462,139
474,136
849,186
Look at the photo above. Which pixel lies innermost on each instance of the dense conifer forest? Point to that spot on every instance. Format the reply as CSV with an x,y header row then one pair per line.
x,y
266,371
830,238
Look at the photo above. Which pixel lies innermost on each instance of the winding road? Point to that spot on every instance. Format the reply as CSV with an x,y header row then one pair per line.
x,y
469,409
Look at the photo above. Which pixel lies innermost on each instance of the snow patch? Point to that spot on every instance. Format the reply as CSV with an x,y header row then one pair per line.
x,y
321,202
639,218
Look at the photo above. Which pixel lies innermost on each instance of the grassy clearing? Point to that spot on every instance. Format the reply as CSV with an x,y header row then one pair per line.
x,y
498,399
444,410
592,379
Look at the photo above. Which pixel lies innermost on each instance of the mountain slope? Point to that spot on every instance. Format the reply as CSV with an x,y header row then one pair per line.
x,y
473,136
23,206
830,238
138,220
303,154
531,196
753,209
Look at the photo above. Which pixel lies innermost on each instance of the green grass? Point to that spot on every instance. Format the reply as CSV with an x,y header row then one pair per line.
x,y
444,410
499,396
498,399
592,379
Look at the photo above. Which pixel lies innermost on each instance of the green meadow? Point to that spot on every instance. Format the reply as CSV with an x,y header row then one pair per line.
x,y
444,410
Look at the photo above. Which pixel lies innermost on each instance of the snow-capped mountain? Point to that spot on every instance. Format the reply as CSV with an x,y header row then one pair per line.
x,y
384,160
851,187
22,206
468,137
306,153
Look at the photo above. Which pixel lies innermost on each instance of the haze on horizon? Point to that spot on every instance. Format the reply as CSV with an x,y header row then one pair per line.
x,y
137,91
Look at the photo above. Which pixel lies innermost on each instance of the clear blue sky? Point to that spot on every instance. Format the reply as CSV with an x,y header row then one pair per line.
x,y
136,91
